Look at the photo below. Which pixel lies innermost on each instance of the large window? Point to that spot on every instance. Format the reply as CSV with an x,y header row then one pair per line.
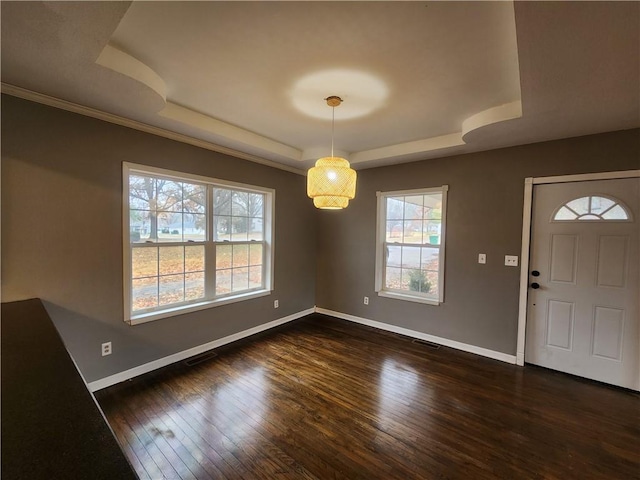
x,y
192,242
410,244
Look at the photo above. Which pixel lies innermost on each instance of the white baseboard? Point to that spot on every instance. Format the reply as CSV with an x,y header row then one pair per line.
x,y
503,357
176,357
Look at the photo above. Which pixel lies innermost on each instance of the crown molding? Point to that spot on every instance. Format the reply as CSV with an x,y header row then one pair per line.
x,y
50,101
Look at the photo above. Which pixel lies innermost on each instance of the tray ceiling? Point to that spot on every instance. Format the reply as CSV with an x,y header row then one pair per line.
x,y
418,79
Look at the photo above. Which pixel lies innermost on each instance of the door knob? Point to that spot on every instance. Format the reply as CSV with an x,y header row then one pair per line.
x,y
535,273
535,285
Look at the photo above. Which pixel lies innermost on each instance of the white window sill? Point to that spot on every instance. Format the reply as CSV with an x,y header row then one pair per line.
x,y
194,307
408,297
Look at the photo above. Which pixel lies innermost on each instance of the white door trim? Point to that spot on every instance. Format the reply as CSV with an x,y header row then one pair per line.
x,y
526,238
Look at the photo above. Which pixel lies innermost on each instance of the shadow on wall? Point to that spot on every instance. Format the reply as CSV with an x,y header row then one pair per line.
x,y
83,337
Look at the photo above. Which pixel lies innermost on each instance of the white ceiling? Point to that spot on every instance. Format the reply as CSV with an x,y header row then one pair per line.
x,y
418,79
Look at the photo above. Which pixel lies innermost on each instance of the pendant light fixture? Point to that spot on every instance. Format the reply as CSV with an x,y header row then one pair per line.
x,y
332,182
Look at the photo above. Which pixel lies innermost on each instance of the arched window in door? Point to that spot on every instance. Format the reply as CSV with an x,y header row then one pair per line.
x,y
592,207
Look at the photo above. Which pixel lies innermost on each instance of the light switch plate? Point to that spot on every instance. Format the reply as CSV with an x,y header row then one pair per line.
x,y
511,260
482,258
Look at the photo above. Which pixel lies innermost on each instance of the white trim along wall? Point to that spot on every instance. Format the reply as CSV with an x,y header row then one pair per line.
x,y
465,347
526,238
185,354
177,357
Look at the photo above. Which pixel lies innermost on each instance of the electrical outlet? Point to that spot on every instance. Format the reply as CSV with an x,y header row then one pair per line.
x,y
366,300
482,258
276,304
106,349
511,260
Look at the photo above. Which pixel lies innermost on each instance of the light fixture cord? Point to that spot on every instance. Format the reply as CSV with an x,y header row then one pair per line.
x,y
333,121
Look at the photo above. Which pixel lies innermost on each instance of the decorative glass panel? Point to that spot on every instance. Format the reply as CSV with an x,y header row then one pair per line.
x,y
565,214
615,213
601,204
591,208
579,205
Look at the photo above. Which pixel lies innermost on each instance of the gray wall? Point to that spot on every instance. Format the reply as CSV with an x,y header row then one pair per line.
x,y
484,215
62,230
62,234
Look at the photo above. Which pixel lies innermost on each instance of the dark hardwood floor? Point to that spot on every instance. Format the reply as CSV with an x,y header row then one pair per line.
x,y
323,398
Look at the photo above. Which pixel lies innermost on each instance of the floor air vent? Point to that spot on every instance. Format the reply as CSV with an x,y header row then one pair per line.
x,y
434,346
203,357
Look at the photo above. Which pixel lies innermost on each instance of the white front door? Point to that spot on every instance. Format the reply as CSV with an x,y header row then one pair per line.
x,y
583,308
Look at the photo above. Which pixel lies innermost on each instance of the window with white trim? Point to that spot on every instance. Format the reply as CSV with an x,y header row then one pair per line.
x,y
192,242
410,244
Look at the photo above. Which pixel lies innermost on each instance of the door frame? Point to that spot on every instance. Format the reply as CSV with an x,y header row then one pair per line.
x,y
529,183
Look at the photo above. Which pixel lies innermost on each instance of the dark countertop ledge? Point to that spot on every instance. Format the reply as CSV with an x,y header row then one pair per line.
x,y
52,426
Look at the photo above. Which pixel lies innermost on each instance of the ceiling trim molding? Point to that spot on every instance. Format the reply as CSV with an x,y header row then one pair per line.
x,y
209,124
123,63
134,124
501,113
425,146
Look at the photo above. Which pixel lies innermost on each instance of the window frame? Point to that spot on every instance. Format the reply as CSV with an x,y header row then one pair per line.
x,y
381,219
209,243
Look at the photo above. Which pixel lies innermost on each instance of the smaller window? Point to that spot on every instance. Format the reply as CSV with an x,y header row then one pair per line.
x,y
410,246
593,207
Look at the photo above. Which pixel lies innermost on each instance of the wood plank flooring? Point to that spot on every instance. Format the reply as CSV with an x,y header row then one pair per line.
x,y
323,398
